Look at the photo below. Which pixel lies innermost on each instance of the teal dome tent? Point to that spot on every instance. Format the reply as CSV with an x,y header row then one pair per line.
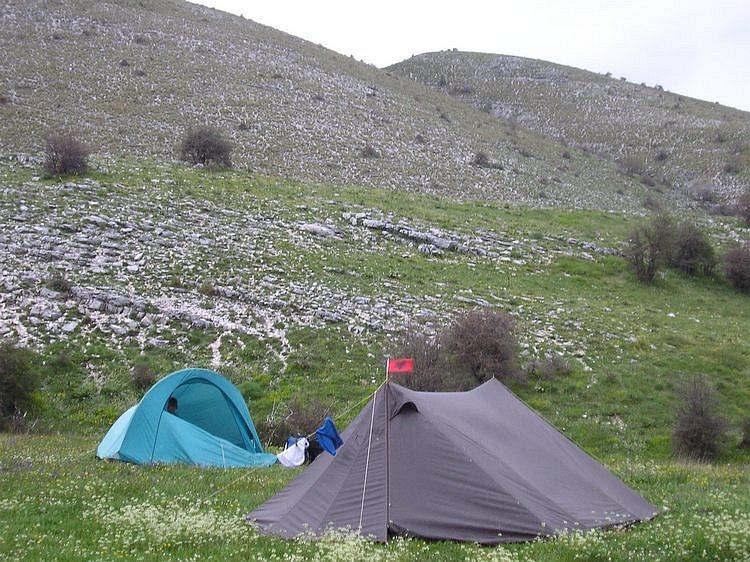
x,y
210,425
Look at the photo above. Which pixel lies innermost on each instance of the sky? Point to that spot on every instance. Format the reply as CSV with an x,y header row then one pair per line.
x,y
696,48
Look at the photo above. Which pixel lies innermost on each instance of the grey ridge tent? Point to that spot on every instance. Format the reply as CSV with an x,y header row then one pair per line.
x,y
476,466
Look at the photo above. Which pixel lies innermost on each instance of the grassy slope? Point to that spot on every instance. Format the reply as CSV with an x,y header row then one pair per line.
x,y
131,79
306,113
630,346
684,144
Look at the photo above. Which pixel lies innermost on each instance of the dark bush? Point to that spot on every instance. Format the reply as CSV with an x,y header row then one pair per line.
x,y
65,155
733,166
745,428
692,251
58,283
18,381
206,146
649,246
142,376
480,345
743,207
370,151
474,348
481,159
699,431
737,267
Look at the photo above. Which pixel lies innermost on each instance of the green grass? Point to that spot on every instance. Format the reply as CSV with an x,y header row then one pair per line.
x,y
630,347
57,502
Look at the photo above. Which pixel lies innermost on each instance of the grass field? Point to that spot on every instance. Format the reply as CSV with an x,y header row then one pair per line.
x,y
58,503
629,346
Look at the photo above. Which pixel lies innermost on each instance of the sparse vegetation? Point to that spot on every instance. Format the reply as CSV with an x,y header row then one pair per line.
x,y
142,376
553,365
370,151
206,146
301,318
700,429
299,417
649,246
65,155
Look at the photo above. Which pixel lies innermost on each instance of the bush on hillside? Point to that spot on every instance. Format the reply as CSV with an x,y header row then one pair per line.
x,y
18,381
737,267
58,283
745,428
65,155
481,159
480,345
692,251
743,207
206,146
474,348
370,151
633,165
649,245
699,431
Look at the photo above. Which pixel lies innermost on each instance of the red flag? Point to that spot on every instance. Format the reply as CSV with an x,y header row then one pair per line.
x,y
400,366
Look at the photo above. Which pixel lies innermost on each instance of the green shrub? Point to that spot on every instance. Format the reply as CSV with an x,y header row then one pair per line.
x,y
18,381
649,245
206,146
699,431
692,251
737,267
65,155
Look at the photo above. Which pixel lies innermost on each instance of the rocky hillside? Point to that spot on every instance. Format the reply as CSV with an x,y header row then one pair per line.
x,y
141,258
131,77
669,141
